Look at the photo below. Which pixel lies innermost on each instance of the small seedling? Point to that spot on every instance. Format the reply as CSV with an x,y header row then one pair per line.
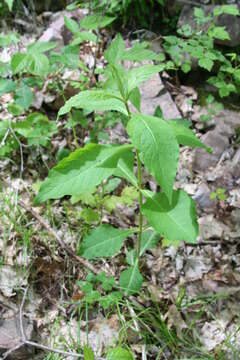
x,y
219,194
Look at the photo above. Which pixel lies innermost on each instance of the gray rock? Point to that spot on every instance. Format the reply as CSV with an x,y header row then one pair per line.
x,y
202,197
218,139
174,6
210,228
57,30
219,143
150,99
235,165
232,23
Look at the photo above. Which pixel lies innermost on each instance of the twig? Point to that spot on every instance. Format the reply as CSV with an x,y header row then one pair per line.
x,y
5,138
24,340
51,231
7,353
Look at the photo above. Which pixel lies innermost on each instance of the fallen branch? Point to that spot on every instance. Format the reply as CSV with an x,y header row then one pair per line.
x,y
61,243
24,341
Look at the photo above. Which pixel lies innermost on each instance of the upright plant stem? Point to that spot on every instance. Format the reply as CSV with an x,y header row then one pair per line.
x,y
140,199
140,196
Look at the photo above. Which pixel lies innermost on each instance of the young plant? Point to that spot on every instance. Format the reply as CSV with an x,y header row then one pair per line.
x,y
196,44
154,144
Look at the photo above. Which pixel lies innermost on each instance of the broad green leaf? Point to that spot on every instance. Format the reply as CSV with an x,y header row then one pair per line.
x,y
24,96
186,67
131,280
150,238
71,25
219,32
119,354
177,221
142,73
104,241
139,53
158,146
198,12
225,9
88,353
94,100
9,4
36,128
15,109
35,63
84,36
10,38
81,171
38,64
186,136
206,63
93,22
135,98
6,86
39,47
125,170
114,52
19,62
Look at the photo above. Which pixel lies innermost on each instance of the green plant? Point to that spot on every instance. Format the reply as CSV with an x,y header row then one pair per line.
x,y
154,142
136,11
219,194
9,4
197,44
212,106
99,289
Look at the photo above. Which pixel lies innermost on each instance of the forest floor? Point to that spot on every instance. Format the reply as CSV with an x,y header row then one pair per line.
x,y
189,305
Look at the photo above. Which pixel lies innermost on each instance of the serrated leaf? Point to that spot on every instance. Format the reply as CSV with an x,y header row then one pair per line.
x,y
19,62
114,52
94,22
206,63
142,73
219,32
36,128
186,136
71,25
177,221
104,241
226,9
119,354
94,100
158,146
131,280
139,53
38,64
81,171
